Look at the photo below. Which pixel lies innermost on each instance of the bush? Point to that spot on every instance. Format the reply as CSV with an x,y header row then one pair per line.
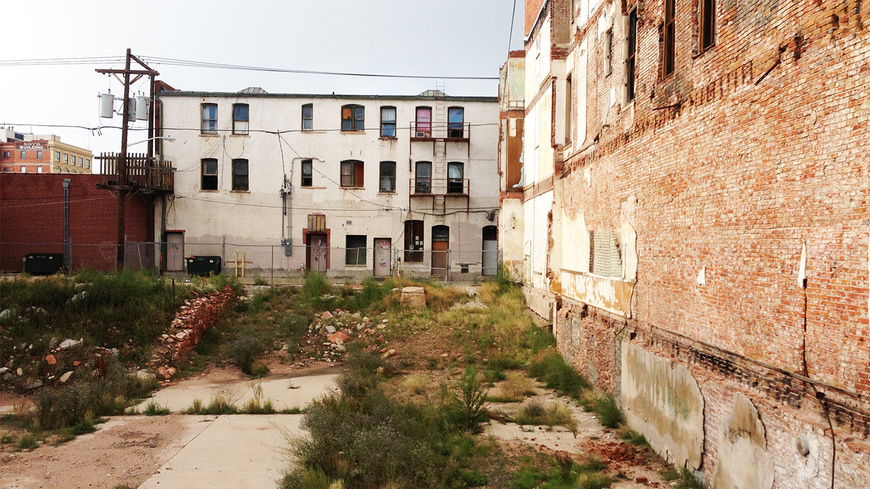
x,y
316,286
608,411
27,442
466,406
549,367
244,351
154,409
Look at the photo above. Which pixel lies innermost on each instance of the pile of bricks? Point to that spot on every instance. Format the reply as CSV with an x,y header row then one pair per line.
x,y
191,322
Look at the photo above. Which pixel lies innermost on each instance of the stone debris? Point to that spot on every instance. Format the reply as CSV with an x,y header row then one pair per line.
x,y
65,377
413,297
329,335
68,343
50,359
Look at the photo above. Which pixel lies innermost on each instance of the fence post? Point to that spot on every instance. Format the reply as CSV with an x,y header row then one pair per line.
x,y
272,265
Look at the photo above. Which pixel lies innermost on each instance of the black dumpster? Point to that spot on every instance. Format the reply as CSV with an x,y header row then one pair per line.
x,y
203,265
43,263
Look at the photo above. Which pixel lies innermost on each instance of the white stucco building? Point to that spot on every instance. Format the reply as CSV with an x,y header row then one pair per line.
x,y
346,185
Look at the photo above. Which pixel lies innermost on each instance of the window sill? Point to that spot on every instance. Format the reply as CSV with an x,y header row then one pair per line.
x,y
353,265
311,188
240,135
354,131
388,138
386,192
240,191
352,188
312,131
208,134
209,191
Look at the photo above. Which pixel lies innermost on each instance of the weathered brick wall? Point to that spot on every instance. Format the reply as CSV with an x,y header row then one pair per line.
x,y
746,154
31,219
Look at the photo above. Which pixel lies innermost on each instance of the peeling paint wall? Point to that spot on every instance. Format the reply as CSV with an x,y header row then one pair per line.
x,y
743,459
662,401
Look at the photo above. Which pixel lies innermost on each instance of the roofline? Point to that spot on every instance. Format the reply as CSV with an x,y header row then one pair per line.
x,y
329,96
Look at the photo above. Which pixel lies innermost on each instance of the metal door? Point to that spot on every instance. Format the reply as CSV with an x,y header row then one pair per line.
x,y
440,250
316,253
383,253
174,252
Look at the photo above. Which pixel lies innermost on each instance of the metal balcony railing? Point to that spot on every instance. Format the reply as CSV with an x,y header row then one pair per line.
x,y
440,186
431,131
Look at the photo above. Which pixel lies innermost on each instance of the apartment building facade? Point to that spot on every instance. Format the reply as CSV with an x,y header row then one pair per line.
x,y
28,153
345,185
695,196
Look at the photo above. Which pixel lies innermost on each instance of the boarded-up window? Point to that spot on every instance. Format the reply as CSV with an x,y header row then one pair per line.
x,y
351,173
605,257
316,223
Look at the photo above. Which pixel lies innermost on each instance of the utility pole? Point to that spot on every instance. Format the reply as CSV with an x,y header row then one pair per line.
x,y
123,187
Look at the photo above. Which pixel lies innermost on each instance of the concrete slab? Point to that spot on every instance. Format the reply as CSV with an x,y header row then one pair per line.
x,y
232,452
285,393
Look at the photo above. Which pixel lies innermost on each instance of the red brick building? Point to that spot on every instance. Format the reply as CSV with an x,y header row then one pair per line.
x,y
32,220
26,153
696,183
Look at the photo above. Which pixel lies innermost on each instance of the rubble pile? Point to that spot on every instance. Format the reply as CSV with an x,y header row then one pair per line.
x,y
191,322
329,335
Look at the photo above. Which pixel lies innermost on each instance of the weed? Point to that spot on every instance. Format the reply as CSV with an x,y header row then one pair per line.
x,y
195,408
27,442
154,409
549,367
592,464
565,463
244,351
316,286
683,477
608,411
415,383
293,410
258,280
557,414
220,404
593,481
467,403
256,405
633,437
6,439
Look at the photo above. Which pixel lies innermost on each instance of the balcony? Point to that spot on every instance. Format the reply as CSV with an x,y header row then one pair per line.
x,y
440,190
142,174
459,132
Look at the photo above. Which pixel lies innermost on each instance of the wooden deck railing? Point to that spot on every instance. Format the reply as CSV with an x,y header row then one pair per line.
x,y
142,173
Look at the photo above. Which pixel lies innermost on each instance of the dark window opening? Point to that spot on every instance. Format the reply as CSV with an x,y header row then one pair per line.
x,y
355,252
240,175
352,173
608,52
209,174
307,173
707,18
388,176
632,55
413,241
423,178
669,52
353,117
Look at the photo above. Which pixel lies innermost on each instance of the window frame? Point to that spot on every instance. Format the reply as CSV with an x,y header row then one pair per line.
x,y
608,52
306,180
419,186
57,156
241,122
631,57
38,155
352,174
456,129
388,124
23,154
391,178
414,241
456,186
360,257
669,50
427,131
353,118
212,122
241,179
706,25
308,117
211,176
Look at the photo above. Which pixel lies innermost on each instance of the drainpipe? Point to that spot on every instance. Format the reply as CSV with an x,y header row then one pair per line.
x,y
67,245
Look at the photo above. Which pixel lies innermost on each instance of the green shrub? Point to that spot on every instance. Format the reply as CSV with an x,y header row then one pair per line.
x,y
244,351
466,407
27,442
549,367
608,411
154,409
593,481
316,286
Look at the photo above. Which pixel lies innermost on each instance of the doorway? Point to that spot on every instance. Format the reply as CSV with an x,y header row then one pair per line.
x,y
440,250
174,251
490,250
383,253
317,253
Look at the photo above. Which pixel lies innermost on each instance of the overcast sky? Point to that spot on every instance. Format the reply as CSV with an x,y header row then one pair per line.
x,y
468,38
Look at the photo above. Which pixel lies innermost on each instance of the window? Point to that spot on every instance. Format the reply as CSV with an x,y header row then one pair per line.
x,y
23,169
72,160
423,178
455,178
707,21
87,163
569,108
604,254
414,241
240,175
209,174
455,122
669,48
388,176
39,155
57,156
351,173
308,117
38,169
423,127
24,155
355,253
307,173
241,122
631,59
81,161
388,122
65,158
608,52
209,118
7,154
353,117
